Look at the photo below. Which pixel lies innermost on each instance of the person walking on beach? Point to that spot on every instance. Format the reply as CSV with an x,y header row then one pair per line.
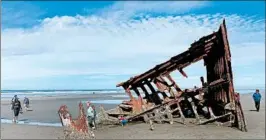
x,y
16,107
256,98
26,103
12,100
90,115
15,97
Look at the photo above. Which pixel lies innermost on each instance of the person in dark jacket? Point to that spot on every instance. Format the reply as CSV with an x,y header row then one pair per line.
x,y
12,100
16,107
256,98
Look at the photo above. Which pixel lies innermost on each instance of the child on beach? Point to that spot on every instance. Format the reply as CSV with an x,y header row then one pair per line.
x,y
122,120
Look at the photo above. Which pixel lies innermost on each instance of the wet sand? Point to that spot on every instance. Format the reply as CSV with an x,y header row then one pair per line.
x,y
46,109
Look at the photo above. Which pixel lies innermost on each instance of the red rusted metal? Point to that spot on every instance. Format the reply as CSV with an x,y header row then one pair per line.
x,y
215,51
79,124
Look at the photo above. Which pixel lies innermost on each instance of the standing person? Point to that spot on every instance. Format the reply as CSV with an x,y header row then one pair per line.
x,y
90,114
94,116
26,103
12,100
16,107
256,98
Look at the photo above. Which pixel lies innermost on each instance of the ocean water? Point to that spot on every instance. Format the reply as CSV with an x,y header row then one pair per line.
x,y
8,94
116,102
22,122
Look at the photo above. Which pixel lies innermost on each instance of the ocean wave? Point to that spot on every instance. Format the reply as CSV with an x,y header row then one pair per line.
x,y
105,101
33,93
7,121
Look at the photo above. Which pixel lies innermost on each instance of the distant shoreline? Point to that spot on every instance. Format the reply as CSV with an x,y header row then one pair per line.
x,y
36,94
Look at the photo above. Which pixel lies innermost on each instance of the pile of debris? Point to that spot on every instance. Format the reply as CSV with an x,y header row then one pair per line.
x,y
216,101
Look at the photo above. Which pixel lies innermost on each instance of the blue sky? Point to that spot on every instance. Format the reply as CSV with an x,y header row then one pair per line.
x,y
92,45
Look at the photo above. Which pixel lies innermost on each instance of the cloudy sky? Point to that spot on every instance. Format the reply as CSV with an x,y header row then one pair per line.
x,y
95,45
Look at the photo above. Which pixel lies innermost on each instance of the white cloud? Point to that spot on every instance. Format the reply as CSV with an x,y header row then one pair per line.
x,y
97,45
126,9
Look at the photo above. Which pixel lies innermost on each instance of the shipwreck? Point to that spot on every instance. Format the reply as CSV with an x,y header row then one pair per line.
x,y
215,101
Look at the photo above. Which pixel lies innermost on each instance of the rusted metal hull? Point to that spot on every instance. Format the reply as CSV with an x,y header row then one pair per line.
x,y
79,124
216,93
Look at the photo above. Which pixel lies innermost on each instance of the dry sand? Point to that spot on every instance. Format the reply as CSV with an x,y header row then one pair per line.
x,y
255,123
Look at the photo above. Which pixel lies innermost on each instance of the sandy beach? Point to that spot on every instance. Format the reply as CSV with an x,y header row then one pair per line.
x,y
45,110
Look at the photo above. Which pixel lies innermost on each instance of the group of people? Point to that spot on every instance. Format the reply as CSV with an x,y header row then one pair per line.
x,y
17,108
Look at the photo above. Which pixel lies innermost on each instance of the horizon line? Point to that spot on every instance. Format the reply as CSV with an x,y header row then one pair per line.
x,y
116,89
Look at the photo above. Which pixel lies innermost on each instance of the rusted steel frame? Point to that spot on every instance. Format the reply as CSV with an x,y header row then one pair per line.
x,y
160,80
203,39
189,63
139,95
161,88
227,58
136,91
181,113
155,70
79,124
195,111
183,56
154,93
167,86
146,92
215,118
202,49
157,106
161,67
135,103
182,72
216,54
150,86
239,107
217,82
129,93
169,77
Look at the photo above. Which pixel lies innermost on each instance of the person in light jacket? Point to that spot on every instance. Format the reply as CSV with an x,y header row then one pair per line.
x,y
90,115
